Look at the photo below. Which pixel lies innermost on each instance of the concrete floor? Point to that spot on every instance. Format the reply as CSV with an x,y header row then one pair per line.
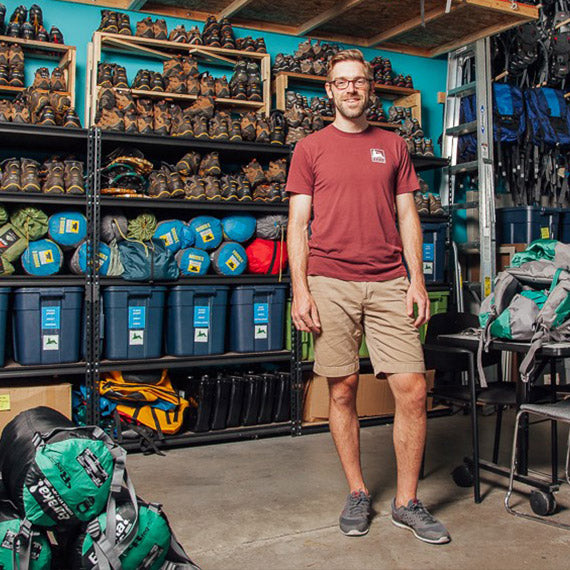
x,y
274,504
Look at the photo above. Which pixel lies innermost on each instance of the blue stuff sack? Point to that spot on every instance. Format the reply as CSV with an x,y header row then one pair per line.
x,y
548,116
42,258
78,263
207,232
193,262
509,120
171,233
239,227
67,229
229,259
148,261
187,239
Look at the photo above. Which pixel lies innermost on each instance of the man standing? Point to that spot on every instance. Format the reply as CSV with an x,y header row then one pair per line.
x,y
348,276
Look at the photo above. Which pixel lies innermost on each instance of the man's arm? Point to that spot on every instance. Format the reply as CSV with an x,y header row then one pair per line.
x,y
303,309
411,234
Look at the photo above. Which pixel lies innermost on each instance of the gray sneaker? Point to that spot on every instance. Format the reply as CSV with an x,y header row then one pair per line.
x,y
354,519
416,517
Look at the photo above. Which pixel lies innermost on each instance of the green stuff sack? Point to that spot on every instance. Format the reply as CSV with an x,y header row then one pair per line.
x,y
12,243
142,227
30,222
3,215
6,268
56,474
147,550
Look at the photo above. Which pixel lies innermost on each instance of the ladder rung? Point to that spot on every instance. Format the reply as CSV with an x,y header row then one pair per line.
x,y
465,206
463,90
470,246
463,129
464,167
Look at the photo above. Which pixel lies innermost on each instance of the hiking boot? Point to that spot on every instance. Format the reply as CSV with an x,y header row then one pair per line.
x,y
277,126
273,192
130,120
221,87
156,82
124,100
175,83
243,189
420,145
27,31
108,119
190,66
435,207
57,81
411,145
428,148
188,164
60,102
6,110
238,91
260,193
109,22
304,50
235,130
180,126
16,76
11,181
142,80
35,16
104,75
194,188
210,165
159,29
20,112
178,34
254,91
4,74
307,66
294,116
124,24
248,127
228,188
73,177
218,127
202,106
262,130
37,100
421,202
157,185
294,135
29,175
194,36
240,72
41,79
192,85
415,517
212,189
145,112
227,40
260,46
317,123
53,182
200,127
144,28
254,173
120,77
355,517
174,182
41,34
277,171
207,85
14,30
284,193
161,118
55,35
4,53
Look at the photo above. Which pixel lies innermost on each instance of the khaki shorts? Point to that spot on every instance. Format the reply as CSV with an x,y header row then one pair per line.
x,y
349,308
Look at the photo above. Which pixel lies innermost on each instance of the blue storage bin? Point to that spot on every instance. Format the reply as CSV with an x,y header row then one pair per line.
x,y
4,299
433,254
196,320
47,324
524,224
133,321
564,225
257,318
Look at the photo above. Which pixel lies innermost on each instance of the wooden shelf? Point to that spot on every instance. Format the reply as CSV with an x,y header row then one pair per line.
x,y
8,89
31,45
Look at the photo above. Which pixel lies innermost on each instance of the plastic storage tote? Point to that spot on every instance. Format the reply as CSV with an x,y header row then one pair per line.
x,y
257,318
564,225
133,321
237,389
47,324
4,300
196,320
433,254
524,224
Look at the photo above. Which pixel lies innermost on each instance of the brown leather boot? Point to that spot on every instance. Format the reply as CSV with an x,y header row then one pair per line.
x,y
221,87
200,127
110,120
131,122
207,85
172,66
125,101
210,165
180,126
188,164
57,81
174,182
157,186
73,177
53,182
202,106
145,112
277,171
11,175
41,79
248,127
212,189
262,130
190,66
192,85
218,127
194,188
144,28
175,83
254,173
161,118
29,175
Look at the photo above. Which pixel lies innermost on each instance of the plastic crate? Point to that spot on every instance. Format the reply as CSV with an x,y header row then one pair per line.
x,y
196,320
47,324
133,322
524,224
257,318
439,301
433,252
564,225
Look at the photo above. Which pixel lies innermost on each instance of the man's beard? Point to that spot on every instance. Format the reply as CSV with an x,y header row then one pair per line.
x,y
351,112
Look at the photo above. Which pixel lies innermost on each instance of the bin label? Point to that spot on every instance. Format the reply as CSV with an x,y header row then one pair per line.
x,y
201,335
545,233
260,313
260,332
202,316
428,252
136,338
137,317
428,267
50,342
5,405
51,317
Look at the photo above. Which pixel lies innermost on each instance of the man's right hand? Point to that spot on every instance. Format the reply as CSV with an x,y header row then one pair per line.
x,y
304,313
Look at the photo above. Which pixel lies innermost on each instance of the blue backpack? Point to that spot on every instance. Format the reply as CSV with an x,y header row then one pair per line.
x,y
467,144
509,119
548,117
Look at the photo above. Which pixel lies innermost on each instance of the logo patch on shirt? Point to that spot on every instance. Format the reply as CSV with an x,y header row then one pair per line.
x,y
378,155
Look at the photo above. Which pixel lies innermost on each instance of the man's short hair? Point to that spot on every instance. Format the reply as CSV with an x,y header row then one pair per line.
x,y
349,55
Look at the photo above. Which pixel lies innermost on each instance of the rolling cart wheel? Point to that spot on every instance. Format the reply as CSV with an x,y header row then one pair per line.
x,y
463,476
542,503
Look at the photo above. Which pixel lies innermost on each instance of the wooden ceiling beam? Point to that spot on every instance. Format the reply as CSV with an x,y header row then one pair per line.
x,y
135,4
326,16
232,8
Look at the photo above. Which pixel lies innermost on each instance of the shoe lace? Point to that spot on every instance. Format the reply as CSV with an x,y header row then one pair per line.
x,y
358,504
421,513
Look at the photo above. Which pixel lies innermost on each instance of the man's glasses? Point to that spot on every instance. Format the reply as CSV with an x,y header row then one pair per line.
x,y
342,83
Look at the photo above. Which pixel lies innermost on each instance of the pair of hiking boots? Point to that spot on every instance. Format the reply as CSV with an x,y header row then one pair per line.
x,y
231,188
218,34
53,177
147,28
11,65
428,203
51,108
403,81
420,146
375,111
245,83
301,122
112,75
276,172
250,44
308,58
115,23
54,82
397,114
179,34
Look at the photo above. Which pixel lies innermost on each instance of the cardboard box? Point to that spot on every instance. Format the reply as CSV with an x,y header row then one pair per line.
x,y
504,257
17,398
374,397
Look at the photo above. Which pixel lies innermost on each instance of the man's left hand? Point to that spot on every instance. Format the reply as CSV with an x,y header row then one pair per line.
x,y
417,294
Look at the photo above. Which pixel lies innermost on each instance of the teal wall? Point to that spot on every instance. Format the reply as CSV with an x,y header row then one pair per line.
x,y
78,21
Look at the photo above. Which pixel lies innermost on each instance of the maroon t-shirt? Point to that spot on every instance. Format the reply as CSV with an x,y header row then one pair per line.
x,y
353,179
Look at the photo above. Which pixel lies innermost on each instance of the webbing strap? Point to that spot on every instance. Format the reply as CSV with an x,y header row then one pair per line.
x,y
22,546
528,364
107,559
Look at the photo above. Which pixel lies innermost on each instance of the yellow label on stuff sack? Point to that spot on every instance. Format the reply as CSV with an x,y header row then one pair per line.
x,y
545,233
5,402
487,286
72,226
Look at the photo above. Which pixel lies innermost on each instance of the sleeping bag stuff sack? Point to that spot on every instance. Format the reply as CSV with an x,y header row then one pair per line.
x,y
193,262
148,261
266,256
12,242
229,259
67,229
42,257
113,226
207,232
78,262
272,226
38,557
187,239
59,475
3,215
239,227
30,222
171,234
